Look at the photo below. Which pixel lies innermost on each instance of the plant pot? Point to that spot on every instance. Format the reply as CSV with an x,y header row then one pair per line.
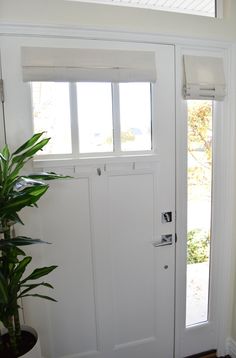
x,y
35,351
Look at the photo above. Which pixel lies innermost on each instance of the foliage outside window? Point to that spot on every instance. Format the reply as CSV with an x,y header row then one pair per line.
x,y
199,179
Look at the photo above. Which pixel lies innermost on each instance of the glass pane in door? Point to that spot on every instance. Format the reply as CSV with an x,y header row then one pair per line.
x,y
51,114
199,210
94,102
135,116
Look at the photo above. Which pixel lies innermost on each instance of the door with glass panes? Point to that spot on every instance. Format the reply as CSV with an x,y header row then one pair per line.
x,y
112,224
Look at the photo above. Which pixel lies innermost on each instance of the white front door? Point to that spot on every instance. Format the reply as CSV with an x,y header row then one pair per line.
x,y
115,281
135,267
112,229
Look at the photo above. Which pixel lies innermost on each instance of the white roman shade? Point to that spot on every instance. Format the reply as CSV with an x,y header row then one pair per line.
x,y
204,78
92,65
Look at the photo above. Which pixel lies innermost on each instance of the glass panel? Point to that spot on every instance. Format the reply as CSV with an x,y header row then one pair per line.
x,y
194,7
51,113
94,102
199,210
135,116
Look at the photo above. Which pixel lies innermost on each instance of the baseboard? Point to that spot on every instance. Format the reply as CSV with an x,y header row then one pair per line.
x,y
231,347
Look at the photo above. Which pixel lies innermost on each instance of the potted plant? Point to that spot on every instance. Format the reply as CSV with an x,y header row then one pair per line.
x,y
18,191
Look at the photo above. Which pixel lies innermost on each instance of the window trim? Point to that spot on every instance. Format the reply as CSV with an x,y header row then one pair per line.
x,y
219,5
74,124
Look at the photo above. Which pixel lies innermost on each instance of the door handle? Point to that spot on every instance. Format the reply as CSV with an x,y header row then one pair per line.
x,y
166,239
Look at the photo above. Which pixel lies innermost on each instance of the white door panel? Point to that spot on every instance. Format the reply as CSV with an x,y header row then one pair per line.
x,y
135,283
115,289
73,326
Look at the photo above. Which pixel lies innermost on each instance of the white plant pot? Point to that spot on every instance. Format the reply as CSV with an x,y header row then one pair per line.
x,y
35,352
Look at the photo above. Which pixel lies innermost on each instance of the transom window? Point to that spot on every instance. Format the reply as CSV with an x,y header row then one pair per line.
x,y
90,118
195,7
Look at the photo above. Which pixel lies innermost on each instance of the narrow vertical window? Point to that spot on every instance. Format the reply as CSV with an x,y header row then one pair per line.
x,y
199,210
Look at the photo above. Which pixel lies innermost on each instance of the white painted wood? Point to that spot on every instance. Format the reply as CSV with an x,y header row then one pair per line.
x,y
18,105
2,127
212,334
2,139
102,33
115,298
231,347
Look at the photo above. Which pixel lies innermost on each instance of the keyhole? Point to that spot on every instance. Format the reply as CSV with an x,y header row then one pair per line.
x,y
166,267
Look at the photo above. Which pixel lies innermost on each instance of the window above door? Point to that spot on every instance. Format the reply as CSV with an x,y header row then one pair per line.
x,y
91,101
93,118
210,8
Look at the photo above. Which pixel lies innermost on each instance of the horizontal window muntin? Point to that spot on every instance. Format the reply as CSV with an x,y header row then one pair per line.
x,y
95,125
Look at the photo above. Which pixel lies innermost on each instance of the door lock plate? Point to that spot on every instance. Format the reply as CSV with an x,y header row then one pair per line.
x,y
166,217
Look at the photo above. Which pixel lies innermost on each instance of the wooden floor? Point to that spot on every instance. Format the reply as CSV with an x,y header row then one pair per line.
x,y
210,354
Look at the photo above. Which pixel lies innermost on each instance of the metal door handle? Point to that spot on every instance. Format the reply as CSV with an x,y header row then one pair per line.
x,y
165,240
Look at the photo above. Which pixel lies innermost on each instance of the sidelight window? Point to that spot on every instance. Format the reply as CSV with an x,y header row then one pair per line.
x,y
199,210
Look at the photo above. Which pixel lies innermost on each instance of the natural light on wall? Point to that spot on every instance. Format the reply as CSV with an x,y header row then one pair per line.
x,y
194,7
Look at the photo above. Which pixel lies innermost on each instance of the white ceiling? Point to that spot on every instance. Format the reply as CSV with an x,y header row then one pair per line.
x,y
197,7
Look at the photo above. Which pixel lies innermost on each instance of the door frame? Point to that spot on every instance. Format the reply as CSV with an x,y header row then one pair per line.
x,y
2,119
226,148
222,212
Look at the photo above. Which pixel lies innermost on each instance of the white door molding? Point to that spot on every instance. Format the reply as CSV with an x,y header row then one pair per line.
x,y
2,125
214,333
227,148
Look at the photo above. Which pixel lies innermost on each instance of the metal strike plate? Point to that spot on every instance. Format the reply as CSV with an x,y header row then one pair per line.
x,y
166,217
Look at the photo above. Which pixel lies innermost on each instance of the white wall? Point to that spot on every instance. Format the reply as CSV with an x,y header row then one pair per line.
x,y
75,14
70,13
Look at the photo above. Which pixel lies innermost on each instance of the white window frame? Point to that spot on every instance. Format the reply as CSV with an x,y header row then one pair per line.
x,y
74,122
203,335
218,7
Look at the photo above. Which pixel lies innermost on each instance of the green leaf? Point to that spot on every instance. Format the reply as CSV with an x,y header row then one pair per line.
x,y
15,219
40,296
20,241
39,272
2,157
24,182
32,287
19,252
14,174
47,176
27,197
28,143
30,153
4,163
19,270
6,153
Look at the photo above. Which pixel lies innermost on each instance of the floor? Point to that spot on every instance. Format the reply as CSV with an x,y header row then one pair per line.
x,y
209,354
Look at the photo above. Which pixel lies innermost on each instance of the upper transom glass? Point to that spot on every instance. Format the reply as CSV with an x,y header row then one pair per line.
x,y
194,7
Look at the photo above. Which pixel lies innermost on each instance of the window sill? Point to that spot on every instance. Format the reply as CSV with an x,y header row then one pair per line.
x,y
102,160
